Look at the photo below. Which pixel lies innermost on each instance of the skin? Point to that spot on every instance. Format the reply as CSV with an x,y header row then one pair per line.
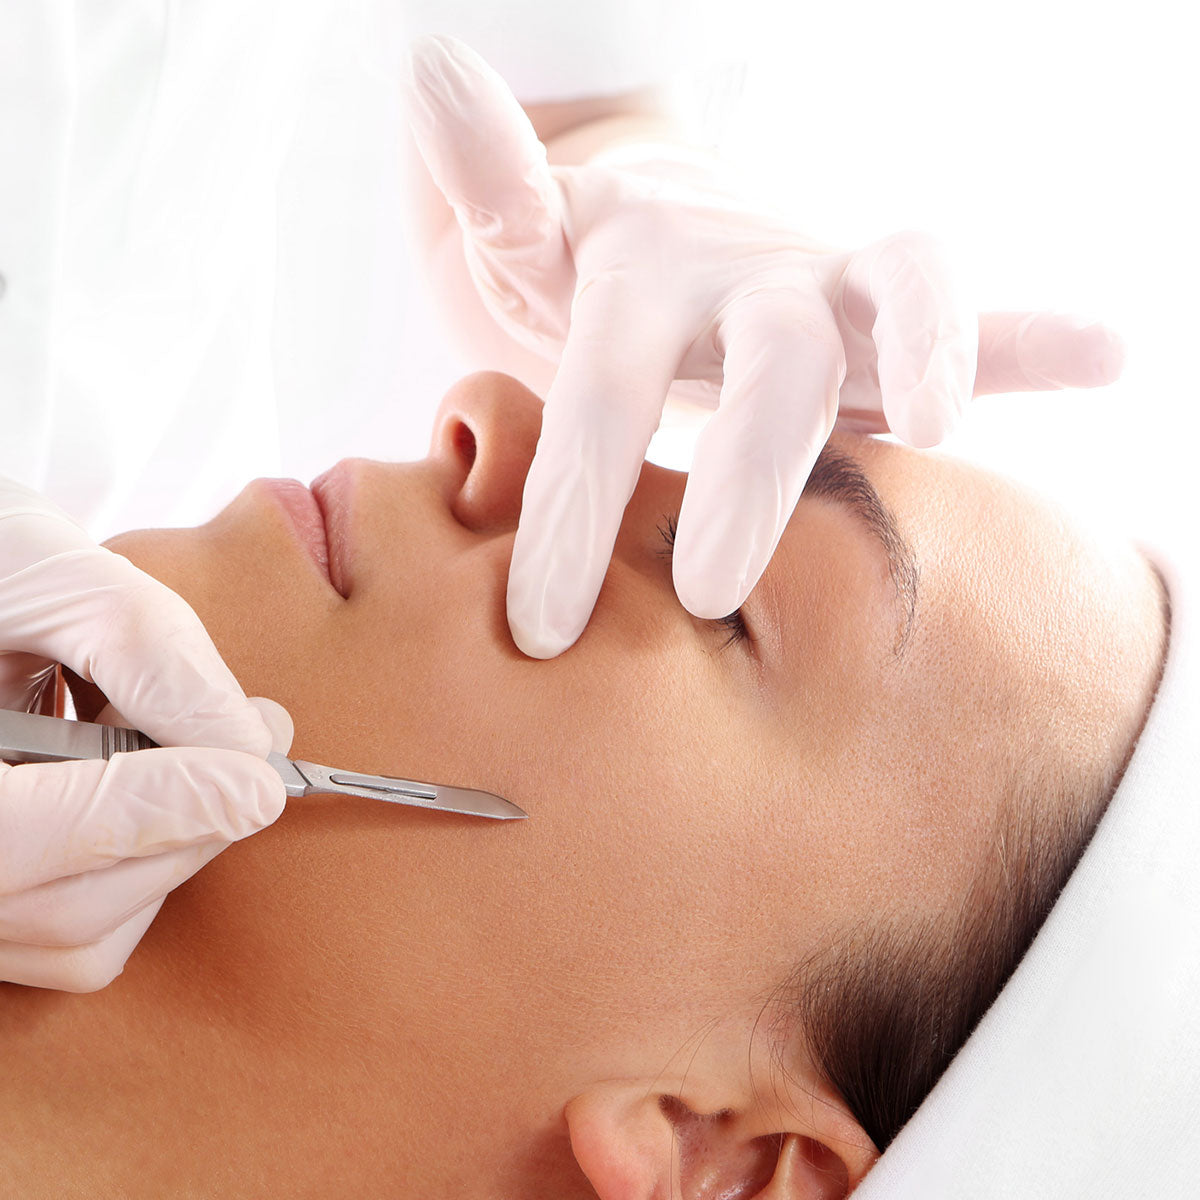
x,y
365,998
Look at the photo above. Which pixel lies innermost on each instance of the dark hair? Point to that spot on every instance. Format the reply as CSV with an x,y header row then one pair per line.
x,y
885,1010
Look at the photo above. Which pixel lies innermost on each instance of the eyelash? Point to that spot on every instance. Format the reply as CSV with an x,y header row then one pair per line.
x,y
734,624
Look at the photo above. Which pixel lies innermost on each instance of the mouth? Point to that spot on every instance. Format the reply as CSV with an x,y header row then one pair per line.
x,y
333,494
308,520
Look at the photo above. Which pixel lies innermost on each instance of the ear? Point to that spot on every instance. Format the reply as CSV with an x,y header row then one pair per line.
x,y
634,1142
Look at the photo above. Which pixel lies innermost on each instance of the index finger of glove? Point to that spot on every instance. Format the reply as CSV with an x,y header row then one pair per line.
x,y
139,642
59,819
78,910
599,416
925,334
783,365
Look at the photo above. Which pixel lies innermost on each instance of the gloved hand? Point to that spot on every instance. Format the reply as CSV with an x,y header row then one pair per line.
x,y
89,849
633,276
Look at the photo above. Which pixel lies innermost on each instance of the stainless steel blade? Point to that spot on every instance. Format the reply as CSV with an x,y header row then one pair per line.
x,y
469,801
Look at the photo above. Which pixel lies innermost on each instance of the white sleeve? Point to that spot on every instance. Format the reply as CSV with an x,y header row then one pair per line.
x,y
550,50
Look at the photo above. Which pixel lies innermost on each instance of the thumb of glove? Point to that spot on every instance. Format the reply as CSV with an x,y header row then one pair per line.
x,y
483,154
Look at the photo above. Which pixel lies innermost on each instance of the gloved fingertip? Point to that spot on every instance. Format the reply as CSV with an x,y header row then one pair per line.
x,y
437,61
424,55
1102,355
920,422
708,604
1066,350
707,590
422,76
541,627
538,644
1114,357
455,51
542,596
256,807
428,46
278,722
539,639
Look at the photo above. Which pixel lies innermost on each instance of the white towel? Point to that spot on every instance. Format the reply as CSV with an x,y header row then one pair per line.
x,y
1083,1079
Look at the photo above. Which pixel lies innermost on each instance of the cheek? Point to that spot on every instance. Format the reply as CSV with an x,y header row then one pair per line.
x,y
659,839
278,627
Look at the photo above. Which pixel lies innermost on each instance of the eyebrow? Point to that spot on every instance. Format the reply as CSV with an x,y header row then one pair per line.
x,y
837,476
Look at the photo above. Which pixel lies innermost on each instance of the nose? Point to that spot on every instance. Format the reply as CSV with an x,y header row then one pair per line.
x,y
486,431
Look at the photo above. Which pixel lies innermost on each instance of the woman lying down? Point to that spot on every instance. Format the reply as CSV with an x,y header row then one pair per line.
x,y
777,867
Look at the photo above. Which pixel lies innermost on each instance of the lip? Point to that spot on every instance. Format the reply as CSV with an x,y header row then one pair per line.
x,y
306,517
333,492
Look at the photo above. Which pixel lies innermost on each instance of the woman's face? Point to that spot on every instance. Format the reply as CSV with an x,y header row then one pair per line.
x,y
704,813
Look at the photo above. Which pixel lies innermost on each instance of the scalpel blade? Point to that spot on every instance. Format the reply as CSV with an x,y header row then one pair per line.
x,y
331,781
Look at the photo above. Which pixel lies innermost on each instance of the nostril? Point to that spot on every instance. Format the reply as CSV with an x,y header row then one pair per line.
x,y
464,442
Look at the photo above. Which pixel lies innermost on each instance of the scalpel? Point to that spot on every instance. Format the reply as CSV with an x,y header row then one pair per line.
x,y
29,738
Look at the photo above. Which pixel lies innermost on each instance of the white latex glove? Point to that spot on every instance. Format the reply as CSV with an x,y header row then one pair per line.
x,y
633,276
89,849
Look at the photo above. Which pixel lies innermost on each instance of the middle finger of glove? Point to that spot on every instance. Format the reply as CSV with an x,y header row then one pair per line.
x,y
924,330
60,819
782,367
84,968
81,909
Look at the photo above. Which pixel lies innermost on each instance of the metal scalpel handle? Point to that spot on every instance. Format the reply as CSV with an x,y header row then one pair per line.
x,y
30,738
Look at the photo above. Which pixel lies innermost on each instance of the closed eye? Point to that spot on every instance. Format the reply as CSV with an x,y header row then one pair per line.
x,y
734,623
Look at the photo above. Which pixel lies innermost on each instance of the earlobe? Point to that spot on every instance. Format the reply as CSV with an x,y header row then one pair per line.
x,y
634,1143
